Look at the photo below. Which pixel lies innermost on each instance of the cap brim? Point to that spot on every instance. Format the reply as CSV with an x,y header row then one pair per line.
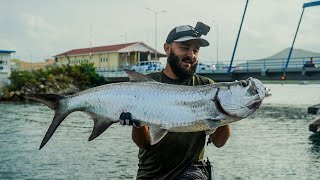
x,y
203,42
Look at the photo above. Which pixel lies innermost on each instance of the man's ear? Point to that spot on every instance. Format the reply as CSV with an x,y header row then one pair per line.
x,y
166,48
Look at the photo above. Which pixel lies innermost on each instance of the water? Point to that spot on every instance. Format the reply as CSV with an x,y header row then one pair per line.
x,y
274,143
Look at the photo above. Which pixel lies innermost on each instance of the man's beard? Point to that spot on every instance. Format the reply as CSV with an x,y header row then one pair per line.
x,y
179,71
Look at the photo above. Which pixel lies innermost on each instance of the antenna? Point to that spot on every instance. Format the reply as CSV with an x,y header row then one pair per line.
x,y
91,39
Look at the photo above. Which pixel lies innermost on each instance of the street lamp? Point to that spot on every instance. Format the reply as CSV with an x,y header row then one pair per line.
x,y
217,38
155,31
127,53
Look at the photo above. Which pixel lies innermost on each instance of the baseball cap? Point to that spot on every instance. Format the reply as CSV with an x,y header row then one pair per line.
x,y
186,33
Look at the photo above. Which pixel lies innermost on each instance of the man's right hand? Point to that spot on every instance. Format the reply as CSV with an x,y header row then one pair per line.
x,y
125,119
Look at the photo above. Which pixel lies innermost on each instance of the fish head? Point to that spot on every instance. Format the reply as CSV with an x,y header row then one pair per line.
x,y
240,99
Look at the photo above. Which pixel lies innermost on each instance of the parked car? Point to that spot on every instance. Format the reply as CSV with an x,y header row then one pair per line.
x,y
205,67
144,66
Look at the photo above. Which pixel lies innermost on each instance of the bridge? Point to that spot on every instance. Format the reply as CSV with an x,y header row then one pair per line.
x,y
300,68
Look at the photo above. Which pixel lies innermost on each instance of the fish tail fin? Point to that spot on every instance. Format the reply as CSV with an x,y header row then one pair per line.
x,y
156,134
53,101
100,125
57,120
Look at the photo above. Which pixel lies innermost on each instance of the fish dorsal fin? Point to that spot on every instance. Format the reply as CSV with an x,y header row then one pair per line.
x,y
156,134
137,77
212,123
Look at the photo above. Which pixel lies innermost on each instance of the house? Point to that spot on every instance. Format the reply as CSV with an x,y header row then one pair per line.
x,y
110,58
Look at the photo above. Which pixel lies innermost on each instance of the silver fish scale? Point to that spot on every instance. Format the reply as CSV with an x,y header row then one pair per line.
x,y
173,107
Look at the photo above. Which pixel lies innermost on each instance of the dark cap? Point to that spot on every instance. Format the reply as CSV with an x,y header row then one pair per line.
x,y
186,33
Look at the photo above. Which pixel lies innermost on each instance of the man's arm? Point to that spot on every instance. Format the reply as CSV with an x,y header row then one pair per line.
x,y
141,137
220,136
140,134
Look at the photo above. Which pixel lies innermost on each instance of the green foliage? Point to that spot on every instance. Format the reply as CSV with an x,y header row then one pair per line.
x,y
81,76
20,79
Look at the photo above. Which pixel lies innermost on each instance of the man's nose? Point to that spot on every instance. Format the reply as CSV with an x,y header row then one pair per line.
x,y
191,53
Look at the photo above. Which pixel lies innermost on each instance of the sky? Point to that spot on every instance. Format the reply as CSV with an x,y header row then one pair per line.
x,y
40,29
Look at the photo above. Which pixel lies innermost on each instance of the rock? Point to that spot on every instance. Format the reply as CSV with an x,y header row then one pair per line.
x,y
315,126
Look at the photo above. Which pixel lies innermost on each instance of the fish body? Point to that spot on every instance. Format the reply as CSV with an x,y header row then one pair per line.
x,y
163,107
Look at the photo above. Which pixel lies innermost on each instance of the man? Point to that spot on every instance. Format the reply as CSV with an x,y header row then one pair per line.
x,y
177,155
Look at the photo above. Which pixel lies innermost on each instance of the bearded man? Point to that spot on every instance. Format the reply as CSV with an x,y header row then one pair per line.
x,y
177,155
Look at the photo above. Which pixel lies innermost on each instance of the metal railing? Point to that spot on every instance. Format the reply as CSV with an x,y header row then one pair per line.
x,y
262,64
275,63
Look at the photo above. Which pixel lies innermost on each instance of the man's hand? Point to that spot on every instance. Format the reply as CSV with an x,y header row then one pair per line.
x,y
126,119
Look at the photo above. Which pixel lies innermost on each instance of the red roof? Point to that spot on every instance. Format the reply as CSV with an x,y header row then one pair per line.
x,y
109,48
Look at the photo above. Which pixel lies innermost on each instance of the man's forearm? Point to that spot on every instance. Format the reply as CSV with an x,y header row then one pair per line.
x,y
141,137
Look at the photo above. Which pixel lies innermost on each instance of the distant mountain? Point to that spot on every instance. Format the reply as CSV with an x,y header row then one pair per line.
x,y
295,53
298,58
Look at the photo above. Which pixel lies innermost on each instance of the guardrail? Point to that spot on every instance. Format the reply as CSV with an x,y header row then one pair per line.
x,y
299,62
247,65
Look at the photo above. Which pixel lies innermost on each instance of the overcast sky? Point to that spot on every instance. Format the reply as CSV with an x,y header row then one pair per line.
x,y
40,29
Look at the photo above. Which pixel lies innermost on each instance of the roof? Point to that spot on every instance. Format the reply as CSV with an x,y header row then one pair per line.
x,y
109,48
7,51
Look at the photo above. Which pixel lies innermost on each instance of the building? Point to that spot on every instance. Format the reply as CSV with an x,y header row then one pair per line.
x,y
5,66
27,66
5,63
110,58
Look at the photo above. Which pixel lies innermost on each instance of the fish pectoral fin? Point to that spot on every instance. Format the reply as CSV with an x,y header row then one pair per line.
x,y
156,134
137,77
212,123
100,125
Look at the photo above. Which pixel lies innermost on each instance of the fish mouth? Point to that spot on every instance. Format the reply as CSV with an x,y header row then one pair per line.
x,y
255,105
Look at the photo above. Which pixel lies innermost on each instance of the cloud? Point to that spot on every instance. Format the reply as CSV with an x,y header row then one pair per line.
x,y
51,27
37,27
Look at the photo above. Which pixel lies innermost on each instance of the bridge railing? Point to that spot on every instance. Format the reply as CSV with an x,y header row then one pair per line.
x,y
263,64
277,63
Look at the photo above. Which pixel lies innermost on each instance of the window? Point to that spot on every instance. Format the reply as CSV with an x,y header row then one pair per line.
x,y
103,59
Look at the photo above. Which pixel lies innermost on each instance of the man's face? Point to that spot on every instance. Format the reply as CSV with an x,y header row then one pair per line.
x,y
183,58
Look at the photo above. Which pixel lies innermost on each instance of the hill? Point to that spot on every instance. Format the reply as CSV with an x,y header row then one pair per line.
x,y
295,53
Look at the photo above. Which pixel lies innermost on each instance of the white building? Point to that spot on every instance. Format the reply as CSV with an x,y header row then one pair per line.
x,y
5,66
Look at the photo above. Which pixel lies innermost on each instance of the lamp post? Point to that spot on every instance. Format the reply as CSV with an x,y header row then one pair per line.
x,y
155,30
127,53
217,39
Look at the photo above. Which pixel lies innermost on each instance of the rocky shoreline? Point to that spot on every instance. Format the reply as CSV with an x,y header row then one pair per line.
x,y
56,79
48,88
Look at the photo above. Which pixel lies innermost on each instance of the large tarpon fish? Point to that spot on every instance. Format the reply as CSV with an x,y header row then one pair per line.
x,y
163,107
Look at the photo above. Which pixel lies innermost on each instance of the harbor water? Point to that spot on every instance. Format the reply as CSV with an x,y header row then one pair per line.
x,y
274,143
